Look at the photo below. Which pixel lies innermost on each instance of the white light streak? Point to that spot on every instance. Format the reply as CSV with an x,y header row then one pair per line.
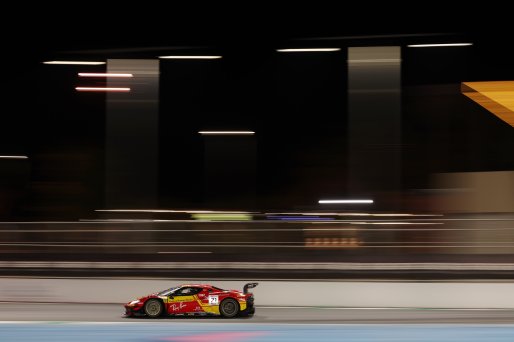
x,y
92,74
14,157
122,90
309,50
190,57
440,45
348,201
226,132
74,62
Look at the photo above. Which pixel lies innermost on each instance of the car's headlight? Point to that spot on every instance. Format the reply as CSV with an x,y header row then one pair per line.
x,y
134,302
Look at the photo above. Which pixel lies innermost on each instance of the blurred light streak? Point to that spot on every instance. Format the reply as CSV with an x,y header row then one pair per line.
x,y
120,220
171,211
495,96
439,45
222,217
189,57
226,132
262,245
354,214
342,242
242,230
156,230
114,221
14,157
74,62
139,245
102,89
42,222
305,213
396,223
216,211
350,201
184,252
169,230
299,218
401,229
90,74
260,265
410,215
375,60
309,50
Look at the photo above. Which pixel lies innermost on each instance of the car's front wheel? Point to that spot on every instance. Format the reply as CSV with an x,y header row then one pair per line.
x,y
229,308
153,308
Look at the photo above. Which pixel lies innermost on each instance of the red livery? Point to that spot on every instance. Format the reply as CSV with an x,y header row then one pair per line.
x,y
194,299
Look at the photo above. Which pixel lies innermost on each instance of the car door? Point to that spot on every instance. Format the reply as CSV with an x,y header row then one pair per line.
x,y
183,300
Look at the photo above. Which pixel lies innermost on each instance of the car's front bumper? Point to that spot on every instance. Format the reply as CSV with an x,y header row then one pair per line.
x,y
132,311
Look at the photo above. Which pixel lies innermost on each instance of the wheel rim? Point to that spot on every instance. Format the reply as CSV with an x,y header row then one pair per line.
x,y
229,307
153,308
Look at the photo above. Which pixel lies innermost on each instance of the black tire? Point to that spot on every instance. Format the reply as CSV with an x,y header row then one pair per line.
x,y
229,308
153,308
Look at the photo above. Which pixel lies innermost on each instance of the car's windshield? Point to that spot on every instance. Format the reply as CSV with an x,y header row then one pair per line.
x,y
167,292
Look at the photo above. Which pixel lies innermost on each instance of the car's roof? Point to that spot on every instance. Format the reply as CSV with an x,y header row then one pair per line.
x,y
204,286
196,285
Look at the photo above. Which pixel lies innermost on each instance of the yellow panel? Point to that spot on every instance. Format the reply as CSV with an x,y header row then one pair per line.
x,y
182,299
495,96
215,309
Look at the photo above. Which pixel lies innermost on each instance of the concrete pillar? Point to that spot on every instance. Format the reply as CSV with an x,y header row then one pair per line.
x,y
131,135
374,120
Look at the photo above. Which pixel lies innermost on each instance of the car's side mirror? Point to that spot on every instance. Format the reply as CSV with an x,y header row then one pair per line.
x,y
170,296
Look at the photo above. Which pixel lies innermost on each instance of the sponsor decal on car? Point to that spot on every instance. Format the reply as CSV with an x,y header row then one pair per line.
x,y
176,307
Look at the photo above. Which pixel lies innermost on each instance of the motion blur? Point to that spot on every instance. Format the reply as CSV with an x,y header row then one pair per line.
x,y
339,171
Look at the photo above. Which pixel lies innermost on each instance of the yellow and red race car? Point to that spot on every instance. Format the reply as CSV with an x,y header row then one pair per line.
x,y
194,299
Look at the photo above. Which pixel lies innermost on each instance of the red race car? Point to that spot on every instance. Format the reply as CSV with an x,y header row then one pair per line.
x,y
194,299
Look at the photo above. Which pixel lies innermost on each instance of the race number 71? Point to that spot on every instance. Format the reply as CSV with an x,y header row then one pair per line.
x,y
213,300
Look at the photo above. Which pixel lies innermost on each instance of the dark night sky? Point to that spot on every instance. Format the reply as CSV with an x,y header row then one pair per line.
x,y
296,104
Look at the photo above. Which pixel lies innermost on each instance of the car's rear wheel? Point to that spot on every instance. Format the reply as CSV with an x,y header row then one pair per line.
x,y
229,308
153,308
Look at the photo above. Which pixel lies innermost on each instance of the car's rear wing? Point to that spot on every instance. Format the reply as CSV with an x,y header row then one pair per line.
x,y
249,286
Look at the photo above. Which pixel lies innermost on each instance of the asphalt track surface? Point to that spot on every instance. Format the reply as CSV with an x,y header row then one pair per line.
x,y
104,322
54,312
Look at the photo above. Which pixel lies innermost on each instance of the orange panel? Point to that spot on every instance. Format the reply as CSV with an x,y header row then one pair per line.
x,y
495,96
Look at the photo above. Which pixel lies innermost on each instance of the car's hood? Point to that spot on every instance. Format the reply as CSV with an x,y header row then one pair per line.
x,y
144,298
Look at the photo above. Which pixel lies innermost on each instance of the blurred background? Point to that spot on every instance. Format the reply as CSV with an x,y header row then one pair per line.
x,y
148,147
